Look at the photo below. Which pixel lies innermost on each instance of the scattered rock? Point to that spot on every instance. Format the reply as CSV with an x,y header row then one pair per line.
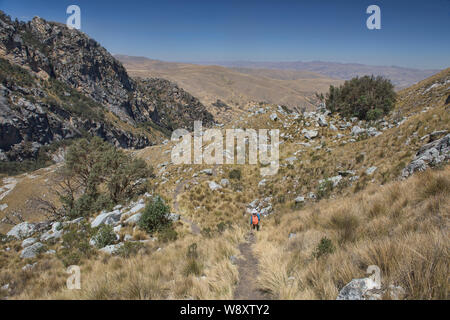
x,y
321,121
32,251
28,242
134,219
299,199
214,186
109,218
431,154
371,170
22,230
225,183
310,134
356,289
174,217
111,249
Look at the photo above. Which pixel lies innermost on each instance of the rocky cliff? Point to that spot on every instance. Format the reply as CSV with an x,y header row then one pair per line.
x,y
57,83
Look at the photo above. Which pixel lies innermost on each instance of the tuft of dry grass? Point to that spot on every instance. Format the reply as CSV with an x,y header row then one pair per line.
x,y
401,227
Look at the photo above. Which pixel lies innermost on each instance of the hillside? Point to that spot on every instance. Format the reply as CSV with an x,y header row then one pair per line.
x,y
400,77
235,87
57,84
348,194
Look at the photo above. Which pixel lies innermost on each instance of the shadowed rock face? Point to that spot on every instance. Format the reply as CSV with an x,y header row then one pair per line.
x,y
59,63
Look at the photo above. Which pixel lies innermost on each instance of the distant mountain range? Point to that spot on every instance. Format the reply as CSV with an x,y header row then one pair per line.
x,y
400,77
235,86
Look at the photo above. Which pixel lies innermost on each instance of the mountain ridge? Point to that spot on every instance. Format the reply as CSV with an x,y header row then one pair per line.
x,y
68,77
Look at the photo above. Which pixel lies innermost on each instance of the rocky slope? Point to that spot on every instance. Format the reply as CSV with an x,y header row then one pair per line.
x,y
58,83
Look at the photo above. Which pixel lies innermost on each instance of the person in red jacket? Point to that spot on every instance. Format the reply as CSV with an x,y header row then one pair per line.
x,y
255,220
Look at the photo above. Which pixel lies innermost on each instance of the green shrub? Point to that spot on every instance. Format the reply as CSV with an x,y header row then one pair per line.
x,y
235,174
367,98
104,236
324,247
324,189
129,249
94,162
154,218
167,234
75,244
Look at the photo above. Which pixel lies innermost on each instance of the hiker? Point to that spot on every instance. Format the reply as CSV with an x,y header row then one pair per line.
x,y
254,220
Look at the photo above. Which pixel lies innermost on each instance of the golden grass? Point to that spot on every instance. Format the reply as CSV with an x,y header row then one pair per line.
x,y
401,227
150,274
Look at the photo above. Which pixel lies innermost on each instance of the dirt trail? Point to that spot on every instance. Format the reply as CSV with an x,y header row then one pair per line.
x,y
248,272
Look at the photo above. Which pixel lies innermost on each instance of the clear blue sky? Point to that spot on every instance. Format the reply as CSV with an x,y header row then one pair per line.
x,y
414,33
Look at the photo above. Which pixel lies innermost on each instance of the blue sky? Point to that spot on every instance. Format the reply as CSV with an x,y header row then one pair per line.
x,y
413,34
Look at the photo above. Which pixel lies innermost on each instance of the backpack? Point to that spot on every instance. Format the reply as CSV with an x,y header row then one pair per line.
x,y
255,219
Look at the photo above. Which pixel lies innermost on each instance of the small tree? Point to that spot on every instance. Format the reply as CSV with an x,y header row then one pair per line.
x,y
367,98
155,216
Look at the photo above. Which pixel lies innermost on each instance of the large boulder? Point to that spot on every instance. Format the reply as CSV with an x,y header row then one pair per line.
x,y
111,249
32,251
134,219
109,218
22,230
28,242
357,289
431,154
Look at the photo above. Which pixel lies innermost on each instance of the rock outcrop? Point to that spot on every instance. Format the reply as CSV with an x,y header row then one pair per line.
x,y
57,83
429,155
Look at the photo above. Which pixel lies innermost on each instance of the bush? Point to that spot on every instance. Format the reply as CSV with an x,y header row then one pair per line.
x,y
367,98
235,174
104,236
129,249
167,234
154,218
94,162
75,244
324,189
324,247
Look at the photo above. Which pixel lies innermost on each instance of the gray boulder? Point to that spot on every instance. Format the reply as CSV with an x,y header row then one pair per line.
x,y
134,219
22,230
357,289
32,251
429,155
371,170
111,249
173,217
109,218
214,186
28,242
322,121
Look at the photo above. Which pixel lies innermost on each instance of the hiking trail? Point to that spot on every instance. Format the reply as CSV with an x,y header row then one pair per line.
x,y
248,273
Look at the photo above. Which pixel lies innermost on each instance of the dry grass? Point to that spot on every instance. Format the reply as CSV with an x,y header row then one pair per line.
x,y
401,227
152,274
